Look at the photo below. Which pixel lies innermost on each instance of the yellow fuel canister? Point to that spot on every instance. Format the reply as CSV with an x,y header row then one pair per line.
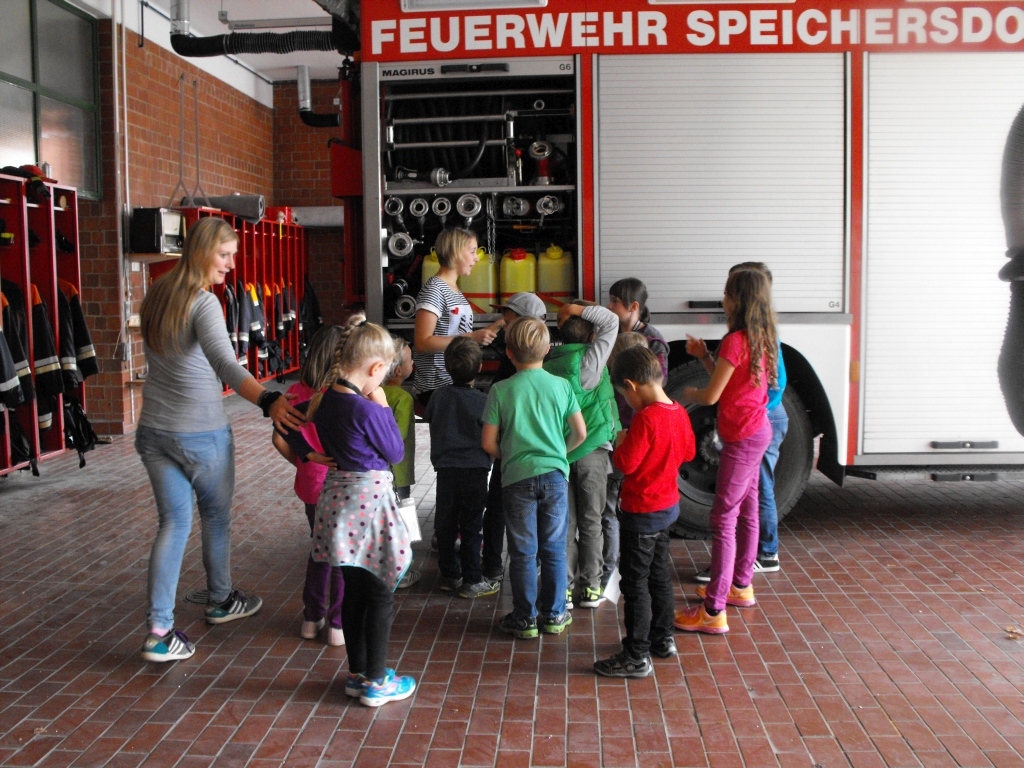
x,y
480,287
431,266
518,272
556,277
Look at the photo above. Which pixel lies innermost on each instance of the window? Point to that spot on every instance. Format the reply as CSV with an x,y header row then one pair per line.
x,y
49,91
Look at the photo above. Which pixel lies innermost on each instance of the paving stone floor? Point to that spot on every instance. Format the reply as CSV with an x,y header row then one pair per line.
x,y
883,642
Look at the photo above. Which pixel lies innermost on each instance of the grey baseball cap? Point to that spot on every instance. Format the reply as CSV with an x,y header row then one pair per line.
x,y
524,304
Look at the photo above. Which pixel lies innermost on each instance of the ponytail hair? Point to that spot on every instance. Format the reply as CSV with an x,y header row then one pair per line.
x,y
750,293
320,355
630,289
358,342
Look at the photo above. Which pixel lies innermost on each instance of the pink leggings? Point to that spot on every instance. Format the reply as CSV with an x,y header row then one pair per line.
x,y
734,516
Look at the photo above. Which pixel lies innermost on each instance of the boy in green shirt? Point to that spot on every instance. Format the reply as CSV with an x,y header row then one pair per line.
x,y
531,422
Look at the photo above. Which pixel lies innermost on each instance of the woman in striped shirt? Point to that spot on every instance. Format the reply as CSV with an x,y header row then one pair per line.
x,y
442,312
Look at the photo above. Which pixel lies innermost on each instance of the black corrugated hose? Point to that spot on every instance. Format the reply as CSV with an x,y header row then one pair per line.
x,y
1011,356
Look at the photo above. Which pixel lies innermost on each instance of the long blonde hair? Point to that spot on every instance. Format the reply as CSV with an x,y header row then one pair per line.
x,y
751,295
168,303
358,343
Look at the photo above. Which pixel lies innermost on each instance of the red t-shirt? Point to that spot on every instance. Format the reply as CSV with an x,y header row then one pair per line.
x,y
659,441
742,408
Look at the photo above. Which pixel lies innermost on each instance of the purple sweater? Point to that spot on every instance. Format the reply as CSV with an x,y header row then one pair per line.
x,y
357,433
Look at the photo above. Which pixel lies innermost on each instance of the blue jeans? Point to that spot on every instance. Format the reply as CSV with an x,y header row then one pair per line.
x,y
768,545
179,465
536,521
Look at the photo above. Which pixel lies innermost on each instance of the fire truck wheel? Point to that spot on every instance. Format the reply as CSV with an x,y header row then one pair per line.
x,y
697,477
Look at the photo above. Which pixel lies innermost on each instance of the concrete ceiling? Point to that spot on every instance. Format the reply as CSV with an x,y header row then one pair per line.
x,y
273,66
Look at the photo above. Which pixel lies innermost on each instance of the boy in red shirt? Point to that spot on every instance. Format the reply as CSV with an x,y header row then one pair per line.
x,y
649,455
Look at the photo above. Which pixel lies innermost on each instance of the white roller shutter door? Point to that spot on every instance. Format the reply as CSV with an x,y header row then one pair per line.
x,y
706,161
935,310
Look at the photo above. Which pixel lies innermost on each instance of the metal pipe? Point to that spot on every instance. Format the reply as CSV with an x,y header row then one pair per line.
x,y
305,90
450,119
433,144
447,94
179,17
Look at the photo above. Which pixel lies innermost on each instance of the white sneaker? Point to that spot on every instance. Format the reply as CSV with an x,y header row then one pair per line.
x,y
335,637
310,629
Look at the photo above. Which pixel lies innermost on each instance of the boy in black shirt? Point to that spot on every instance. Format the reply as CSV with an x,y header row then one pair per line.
x,y
462,467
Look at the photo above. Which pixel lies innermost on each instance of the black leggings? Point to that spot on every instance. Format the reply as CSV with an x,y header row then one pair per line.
x,y
366,615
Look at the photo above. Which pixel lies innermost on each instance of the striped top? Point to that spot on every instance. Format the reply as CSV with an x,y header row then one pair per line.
x,y
454,318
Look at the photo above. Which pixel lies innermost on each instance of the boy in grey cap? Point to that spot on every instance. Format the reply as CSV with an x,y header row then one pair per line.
x,y
518,305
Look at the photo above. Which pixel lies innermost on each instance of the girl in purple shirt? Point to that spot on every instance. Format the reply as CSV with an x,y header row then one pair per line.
x,y
357,525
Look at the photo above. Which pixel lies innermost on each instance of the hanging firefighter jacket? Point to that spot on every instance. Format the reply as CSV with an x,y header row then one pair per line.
x,y
309,313
257,336
85,352
15,323
244,320
49,380
231,317
11,395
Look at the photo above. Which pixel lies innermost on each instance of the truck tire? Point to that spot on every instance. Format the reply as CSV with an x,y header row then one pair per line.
x,y
697,477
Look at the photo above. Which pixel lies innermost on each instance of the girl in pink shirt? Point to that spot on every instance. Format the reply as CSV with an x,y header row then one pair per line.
x,y
746,365
324,589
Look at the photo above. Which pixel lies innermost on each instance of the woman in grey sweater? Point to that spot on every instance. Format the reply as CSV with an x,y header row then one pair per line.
x,y
184,437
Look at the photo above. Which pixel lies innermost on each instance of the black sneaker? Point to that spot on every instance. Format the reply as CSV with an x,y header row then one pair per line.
x,y
524,629
620,665
449,584
664,648
704,577
766,564
237,606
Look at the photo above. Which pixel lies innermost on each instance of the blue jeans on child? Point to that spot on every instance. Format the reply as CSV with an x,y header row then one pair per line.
x,y
179,465
769,512
536,521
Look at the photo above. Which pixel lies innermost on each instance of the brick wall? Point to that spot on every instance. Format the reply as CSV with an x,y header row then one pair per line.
x,y
237,149
302,177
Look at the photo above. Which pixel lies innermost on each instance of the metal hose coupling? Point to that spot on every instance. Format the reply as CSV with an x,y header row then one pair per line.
x,y
441,207
515,207
468,206
400,244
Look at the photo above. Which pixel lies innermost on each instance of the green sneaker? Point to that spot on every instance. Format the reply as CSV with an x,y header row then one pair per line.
x,y
592,598
524,629
556,624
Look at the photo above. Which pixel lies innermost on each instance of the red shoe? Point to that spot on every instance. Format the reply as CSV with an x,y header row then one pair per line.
x,y
741,598
696,619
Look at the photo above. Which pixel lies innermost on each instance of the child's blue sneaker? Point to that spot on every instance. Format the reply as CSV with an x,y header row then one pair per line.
x,y
356,683
170,647
391,688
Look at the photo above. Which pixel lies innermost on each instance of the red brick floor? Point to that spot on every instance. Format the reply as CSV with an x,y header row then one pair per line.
x,y
883,641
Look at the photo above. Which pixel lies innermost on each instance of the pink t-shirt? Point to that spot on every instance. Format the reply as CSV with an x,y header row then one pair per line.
x,y
742,408
309,476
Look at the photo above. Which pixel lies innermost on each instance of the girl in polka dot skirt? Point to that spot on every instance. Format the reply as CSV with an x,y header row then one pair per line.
x,y
357,524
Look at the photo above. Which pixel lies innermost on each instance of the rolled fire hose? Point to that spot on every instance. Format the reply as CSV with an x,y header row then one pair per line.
x,y
1011,356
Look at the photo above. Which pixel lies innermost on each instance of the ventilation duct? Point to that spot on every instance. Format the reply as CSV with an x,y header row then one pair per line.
x,y
309,117
343,37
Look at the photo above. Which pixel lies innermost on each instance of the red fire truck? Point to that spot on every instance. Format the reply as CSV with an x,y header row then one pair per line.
x,y
866,150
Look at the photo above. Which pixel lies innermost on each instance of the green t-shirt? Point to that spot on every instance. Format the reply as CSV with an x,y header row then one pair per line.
x,y
531,410
401,405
